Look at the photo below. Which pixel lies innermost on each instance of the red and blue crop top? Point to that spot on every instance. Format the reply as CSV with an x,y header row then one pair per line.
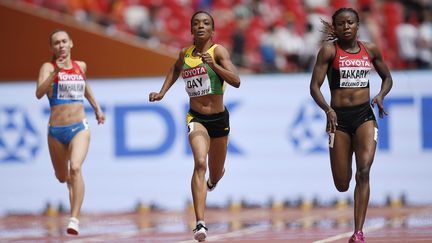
x,y
68,86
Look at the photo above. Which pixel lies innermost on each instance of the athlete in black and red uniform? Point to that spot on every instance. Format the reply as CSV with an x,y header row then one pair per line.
x,y
351,123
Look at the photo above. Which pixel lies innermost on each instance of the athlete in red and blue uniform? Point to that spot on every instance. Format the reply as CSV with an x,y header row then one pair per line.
x,y
68,86
64,82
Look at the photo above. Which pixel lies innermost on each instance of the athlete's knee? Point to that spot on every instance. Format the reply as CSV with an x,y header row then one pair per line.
x,y
200,165
362,174
62,178
342,187
75,169
342,182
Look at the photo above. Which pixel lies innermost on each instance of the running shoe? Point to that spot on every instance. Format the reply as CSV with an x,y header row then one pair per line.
x,y
200,232
357,237
211,186
73,226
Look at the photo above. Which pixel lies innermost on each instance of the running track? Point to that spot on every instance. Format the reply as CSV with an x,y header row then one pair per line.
x,y
258,225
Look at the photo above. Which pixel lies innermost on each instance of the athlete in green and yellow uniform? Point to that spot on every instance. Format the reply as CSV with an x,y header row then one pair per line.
x,y
199,78
205,67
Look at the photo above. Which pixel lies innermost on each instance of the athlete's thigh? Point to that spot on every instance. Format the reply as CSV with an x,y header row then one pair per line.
x,y
199,140
218,150
78,147
365,142
341,154
59,156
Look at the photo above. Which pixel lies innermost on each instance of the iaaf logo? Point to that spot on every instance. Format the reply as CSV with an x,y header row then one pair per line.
x,y
70,77
19,140
307,132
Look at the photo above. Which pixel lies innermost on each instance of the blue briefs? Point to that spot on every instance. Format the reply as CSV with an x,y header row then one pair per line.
x,y
64,134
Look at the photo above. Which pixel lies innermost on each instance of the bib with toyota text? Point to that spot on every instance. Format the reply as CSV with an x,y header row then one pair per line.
x,y
199,78
197,81
350,70
68,86
354,73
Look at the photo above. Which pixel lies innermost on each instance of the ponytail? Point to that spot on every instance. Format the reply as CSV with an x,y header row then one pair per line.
x,y
329,31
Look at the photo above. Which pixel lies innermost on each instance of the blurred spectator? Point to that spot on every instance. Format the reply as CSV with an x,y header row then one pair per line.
x,y
311,39
137,19
238,37
289,43
264,36
407,34
370,29
268,50
317,4
425,39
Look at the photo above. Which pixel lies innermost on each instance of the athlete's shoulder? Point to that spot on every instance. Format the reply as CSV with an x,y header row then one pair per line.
x,y
327,51
82,65
219,49
48,66
186,51
371,48
328,47
368,45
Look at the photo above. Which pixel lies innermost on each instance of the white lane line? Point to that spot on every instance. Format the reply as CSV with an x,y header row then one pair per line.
x,y
258,228
104,238
348,234
237,233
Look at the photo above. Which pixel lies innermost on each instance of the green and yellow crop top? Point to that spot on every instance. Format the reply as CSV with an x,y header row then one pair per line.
x,y
199,78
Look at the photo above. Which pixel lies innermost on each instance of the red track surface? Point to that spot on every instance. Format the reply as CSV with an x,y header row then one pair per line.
x,y
291,225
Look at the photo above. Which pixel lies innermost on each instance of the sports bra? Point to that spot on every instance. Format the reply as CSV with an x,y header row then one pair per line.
x,y
350,70
68,86
199,78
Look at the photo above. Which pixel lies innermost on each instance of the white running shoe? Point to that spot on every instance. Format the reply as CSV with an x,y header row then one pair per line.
x,y
200,233
73,226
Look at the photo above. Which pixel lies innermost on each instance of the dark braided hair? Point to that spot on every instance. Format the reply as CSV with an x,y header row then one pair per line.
x,y
328,28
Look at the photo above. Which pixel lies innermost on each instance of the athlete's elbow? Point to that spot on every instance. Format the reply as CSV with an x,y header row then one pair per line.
x,y
39,95
312,91
236,83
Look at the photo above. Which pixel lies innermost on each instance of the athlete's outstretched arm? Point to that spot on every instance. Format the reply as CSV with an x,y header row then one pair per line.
x,y
170,79
384,72
100,117
325,55
318,75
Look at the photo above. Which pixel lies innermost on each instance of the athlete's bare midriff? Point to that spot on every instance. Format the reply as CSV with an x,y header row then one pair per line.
x,y
349,97
208,104
66,114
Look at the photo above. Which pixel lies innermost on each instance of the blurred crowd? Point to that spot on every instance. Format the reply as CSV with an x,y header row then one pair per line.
x,y
266,35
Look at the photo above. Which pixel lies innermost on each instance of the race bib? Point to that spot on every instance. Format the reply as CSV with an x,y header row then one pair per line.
x,y
197,81
71,90
354,73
